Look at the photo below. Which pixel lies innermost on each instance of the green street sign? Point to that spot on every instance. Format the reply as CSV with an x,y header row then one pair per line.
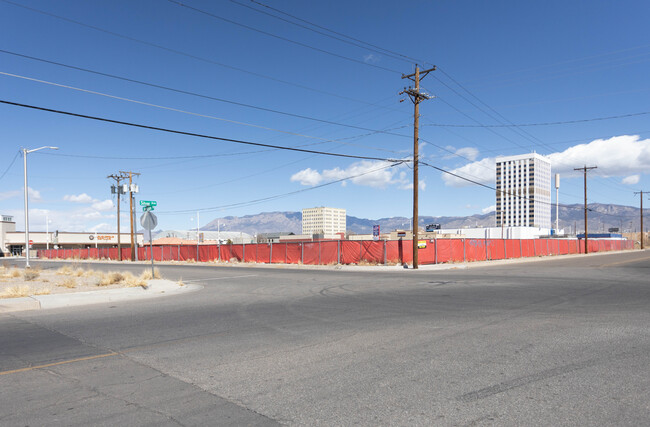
x,y
147,208
148,203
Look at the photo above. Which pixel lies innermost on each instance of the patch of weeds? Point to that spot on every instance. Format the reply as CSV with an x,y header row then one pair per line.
x,y
64,271
111,278
68,282
133,281
14,273
17,291
31,274
146,274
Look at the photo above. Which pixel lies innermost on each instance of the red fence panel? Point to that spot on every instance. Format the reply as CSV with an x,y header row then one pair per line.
x,y
540,247
496,249
393,254
279,253
329,252
263,252
512,248
450,250
372,251
350,252
475,249
294,253
427,255
310,253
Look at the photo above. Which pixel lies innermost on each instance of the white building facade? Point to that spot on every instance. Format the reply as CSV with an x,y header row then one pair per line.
x,y
523,195
323,220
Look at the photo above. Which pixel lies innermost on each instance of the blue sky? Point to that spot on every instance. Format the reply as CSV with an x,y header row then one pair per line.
x,y
500,63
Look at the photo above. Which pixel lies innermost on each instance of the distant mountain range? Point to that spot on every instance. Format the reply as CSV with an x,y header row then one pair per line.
x,y
601,218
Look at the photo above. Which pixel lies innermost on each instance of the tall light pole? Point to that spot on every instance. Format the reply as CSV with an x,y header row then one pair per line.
x,y
47,230
25,153
557,202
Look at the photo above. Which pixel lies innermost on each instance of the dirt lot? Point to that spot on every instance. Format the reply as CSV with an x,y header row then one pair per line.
x,y
18,282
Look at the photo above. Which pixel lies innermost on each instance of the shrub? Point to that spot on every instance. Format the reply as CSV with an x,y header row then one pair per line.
x,y
31,274
146,274
68,282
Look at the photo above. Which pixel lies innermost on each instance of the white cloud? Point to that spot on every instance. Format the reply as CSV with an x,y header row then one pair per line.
x,y
10,194
102,227
616,156
103,206
81,198
366,173
482,171
370,58
632,179
34,195
308,177
468,152
489,209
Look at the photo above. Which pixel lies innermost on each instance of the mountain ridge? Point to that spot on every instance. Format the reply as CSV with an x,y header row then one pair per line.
x,y
601,218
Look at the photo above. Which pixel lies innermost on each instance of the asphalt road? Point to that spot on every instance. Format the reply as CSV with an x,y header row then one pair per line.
x,y
561,341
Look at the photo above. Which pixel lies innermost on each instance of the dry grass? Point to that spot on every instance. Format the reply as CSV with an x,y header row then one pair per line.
x,y
180,282
146,274
131,280
14,273
17,291
30,275
68,282
64,271
110,278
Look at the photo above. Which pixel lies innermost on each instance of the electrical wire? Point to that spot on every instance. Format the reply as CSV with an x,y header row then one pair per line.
x,y
257,30
354,41
193,134
10,165
185,54
566,122
206,115
277,196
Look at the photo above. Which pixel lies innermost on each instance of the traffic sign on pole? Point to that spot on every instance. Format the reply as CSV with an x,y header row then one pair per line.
x,y
148,203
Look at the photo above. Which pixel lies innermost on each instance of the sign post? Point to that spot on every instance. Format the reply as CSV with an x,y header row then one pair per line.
x,y
149,221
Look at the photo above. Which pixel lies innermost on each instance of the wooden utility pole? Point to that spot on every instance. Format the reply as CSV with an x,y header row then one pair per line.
x,y
585,169
117,190
131,209
642,235
416,97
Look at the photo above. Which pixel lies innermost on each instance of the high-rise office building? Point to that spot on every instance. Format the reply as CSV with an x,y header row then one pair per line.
x,y
323,220
523,191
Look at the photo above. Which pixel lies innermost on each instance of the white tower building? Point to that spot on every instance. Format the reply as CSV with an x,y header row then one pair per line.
x,y
523,191
323,220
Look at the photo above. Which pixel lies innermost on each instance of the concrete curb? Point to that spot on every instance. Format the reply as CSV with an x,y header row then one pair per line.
x,y
156,288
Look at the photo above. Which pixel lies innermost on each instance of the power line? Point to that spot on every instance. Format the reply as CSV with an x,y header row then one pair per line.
x,y
300,116
185,54
594,119
10,165
277,196
197,135
352,41
257,30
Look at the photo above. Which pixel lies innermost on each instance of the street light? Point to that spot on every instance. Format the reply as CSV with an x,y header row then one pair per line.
x,y
25,153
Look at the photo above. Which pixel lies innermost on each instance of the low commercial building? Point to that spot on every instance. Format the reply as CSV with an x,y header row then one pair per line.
x,y
12,242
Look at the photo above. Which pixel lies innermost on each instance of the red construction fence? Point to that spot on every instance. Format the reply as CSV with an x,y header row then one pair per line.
x,y
436,251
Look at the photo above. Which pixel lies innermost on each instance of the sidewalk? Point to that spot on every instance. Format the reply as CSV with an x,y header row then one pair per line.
x,y
155,288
